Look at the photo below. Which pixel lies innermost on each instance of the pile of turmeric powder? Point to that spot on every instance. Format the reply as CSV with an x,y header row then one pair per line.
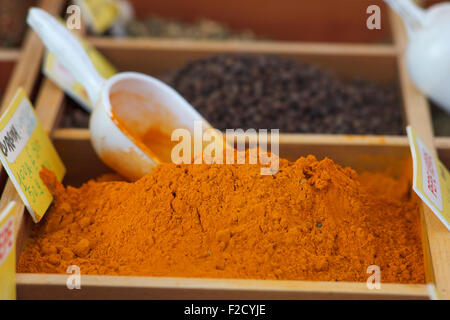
x,y
313,220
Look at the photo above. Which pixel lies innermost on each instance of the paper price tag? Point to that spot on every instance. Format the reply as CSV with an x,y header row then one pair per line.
x,y
24,149
100,15
54,70
7,253
431,180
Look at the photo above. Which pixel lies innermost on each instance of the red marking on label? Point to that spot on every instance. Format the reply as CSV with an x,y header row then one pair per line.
x,y
431,174
6,239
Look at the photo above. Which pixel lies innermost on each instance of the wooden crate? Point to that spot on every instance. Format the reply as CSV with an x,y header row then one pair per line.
x,y
379,62
76,151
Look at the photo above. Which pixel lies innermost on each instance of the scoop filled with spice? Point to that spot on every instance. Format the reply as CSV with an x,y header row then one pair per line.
x,y
122,103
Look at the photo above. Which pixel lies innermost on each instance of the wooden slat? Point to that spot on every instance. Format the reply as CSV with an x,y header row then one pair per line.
x,y
71,134
285,138
398,31
358,152
155,57
442,142
51,286
418,116
9,54
49,104
242,46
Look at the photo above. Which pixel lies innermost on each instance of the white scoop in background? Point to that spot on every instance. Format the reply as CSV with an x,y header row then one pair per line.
x,y
141,104
428,51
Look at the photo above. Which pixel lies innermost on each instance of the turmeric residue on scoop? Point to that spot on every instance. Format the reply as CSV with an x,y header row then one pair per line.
x,y
313,220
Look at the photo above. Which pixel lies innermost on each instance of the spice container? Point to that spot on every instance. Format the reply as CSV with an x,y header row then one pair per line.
x,y
285,20
317,93
77,154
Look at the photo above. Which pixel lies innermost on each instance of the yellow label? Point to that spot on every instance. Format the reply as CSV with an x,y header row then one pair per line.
x,y
431,180
24,149
53,69
100,15
7,253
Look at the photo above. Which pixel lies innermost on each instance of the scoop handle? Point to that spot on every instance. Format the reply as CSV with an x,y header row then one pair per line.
x,y
67,49
413,16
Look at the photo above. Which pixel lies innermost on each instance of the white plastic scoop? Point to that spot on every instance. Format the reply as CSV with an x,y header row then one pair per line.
x,y
134,114
428,52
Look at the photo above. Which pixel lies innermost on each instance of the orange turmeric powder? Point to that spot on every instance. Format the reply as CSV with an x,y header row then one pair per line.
x,y
313,220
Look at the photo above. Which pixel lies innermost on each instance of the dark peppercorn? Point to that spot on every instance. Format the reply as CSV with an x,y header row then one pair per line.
x,y
267,91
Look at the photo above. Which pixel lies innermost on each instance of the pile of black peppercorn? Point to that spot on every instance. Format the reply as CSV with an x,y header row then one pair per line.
x,y
269,92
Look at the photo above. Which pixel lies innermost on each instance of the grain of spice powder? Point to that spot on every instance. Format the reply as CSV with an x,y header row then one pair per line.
x,y
313,220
